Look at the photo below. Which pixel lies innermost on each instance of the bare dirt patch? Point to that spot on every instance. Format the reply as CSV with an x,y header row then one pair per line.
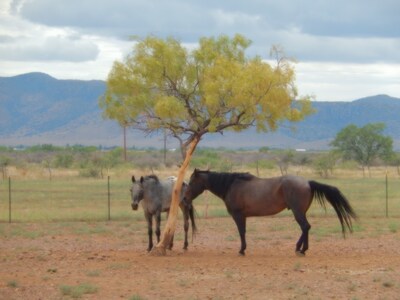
x,y
38,260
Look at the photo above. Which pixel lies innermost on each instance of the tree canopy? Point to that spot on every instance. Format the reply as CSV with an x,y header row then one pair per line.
x,y
364,144
212,88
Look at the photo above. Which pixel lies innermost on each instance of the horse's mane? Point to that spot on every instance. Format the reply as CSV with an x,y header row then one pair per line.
x,y
151,177
220,182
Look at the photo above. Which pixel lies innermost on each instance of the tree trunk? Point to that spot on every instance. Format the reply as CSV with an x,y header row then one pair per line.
x,y
165,147
124,133
168,233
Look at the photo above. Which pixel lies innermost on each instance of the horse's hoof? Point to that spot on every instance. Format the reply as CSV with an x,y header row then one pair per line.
x,y
242,254
300,254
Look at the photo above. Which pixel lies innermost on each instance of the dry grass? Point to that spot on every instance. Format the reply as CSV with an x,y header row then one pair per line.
x,y
68,197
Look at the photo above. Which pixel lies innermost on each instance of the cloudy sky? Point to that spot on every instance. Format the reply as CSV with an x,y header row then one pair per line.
x,y
346,49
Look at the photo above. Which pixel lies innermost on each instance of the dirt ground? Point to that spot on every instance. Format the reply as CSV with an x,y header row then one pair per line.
x,y
38,261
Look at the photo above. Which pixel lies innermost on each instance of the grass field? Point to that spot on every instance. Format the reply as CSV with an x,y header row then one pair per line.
x,y
73,198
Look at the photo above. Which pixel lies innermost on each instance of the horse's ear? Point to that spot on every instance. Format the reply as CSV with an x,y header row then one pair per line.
x,y
141,179
133,179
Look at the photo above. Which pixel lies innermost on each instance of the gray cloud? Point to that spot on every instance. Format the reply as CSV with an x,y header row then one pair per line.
x,y
362,18
53,48
347,49
331,49
5,38
342,30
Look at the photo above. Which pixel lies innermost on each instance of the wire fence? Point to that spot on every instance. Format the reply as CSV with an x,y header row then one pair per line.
x,y
80,199
63,200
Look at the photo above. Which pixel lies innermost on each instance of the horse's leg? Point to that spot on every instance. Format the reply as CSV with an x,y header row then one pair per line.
x,y
302,244
185,226
240,221
158,225
149,219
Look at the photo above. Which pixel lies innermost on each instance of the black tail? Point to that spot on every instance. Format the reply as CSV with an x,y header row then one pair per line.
x,y
338,201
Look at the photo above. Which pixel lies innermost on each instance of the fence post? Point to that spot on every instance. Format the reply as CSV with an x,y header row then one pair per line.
x,y
109,198
387,196
9,199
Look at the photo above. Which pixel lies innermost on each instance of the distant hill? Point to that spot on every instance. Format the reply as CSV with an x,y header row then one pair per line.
x,y
36,108
331,117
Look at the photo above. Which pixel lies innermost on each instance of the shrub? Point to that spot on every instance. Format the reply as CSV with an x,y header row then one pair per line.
x,y
79,290
90,172
64,160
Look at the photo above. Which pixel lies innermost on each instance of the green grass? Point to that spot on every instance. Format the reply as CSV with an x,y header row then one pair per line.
x,y
93,273
79,290
86,199
136,297
76,199
393,227
13,284
368,195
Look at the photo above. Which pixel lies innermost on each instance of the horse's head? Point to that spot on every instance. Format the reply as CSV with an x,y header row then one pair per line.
x,y
197,184
137,192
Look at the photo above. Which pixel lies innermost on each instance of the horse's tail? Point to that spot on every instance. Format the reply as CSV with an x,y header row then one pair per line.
x,y
338,201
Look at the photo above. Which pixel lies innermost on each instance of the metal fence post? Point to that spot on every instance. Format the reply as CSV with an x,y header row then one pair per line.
x,y
109,198
9,199
387,196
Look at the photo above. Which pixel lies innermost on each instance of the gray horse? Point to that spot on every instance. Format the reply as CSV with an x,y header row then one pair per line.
x,y
155,196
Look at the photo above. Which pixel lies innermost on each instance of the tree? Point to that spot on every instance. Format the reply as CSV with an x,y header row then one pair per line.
x,y
4,163
284,159
325,163
364,144
394,160
162,85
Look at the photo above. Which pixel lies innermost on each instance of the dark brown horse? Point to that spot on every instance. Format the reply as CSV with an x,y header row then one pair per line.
x,y
246,195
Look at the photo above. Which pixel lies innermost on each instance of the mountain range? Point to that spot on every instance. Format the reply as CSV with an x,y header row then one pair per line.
x,y
36,108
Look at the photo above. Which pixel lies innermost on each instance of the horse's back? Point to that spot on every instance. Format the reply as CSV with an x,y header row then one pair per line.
x,y
165,192
269,196
157,195
254,197
295,181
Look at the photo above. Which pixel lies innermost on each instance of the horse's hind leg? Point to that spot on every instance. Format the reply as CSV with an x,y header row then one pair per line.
x,y
302,243
240,221
186,227
158,225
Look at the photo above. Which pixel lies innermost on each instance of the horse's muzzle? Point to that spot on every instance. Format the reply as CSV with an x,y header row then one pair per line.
x,y
134,206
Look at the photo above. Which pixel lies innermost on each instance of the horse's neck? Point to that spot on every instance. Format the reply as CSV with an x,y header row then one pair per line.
x,y
220,196
215,190
151,197
146,204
